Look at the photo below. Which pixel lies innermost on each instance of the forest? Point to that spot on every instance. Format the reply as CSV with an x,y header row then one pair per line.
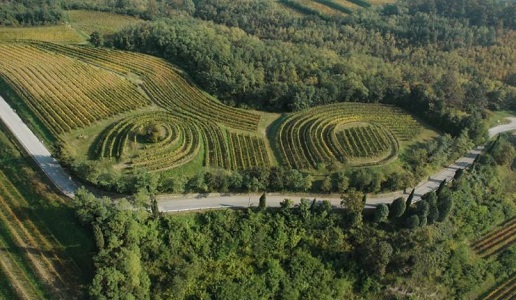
x,y
310,251
30,12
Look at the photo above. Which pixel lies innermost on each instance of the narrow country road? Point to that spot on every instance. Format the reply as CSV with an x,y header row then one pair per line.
x,y
174,203
37,150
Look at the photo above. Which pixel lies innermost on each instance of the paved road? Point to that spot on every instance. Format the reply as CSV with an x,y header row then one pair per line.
x,y
502,128
36,149
215,200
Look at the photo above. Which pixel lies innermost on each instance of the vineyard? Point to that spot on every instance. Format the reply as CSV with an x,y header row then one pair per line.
x,y
76,87
160,141
497,240
504,291
29,261
309,138
63,93
333,8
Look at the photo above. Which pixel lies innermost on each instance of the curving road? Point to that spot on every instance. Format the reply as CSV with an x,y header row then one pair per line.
x,y
37,150
171,203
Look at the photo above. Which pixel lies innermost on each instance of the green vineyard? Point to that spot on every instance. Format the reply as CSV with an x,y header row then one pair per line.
x,y
64,93
504,291
314,136
30,258
325,8
363,141
497,240
175,142
154,118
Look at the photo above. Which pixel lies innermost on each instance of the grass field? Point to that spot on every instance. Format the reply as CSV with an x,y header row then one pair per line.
x,y
87,22
45,252
55,34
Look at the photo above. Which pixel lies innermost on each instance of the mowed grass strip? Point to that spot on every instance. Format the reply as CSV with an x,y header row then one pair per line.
x,y
102,22
64,34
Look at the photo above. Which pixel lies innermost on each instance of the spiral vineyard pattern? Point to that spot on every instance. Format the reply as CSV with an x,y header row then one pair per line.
x,y
178,141
309,138
123,141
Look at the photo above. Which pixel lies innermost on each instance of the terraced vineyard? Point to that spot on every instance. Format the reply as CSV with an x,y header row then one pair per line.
x,y
504,291
497,240
313,136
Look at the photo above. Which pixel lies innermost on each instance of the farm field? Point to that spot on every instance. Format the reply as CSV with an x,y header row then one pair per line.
x,y
343,132
134,111
40,257
497,240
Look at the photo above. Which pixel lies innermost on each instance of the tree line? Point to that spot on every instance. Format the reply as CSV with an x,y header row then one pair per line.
x,y
306,251
30,12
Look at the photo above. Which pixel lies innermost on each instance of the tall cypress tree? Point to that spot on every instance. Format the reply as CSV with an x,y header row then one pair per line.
x,y
441,187
409,200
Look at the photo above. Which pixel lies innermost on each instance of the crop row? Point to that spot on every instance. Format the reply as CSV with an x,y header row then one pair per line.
x,y
504,291
310,137
38,250
165,85
248,151
62,92
363,141
497,240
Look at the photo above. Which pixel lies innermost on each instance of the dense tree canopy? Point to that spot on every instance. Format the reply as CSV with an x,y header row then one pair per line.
x,y
309,251
30,12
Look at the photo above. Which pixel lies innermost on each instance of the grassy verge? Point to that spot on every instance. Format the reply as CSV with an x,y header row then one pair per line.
x,y
26,114
499,117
